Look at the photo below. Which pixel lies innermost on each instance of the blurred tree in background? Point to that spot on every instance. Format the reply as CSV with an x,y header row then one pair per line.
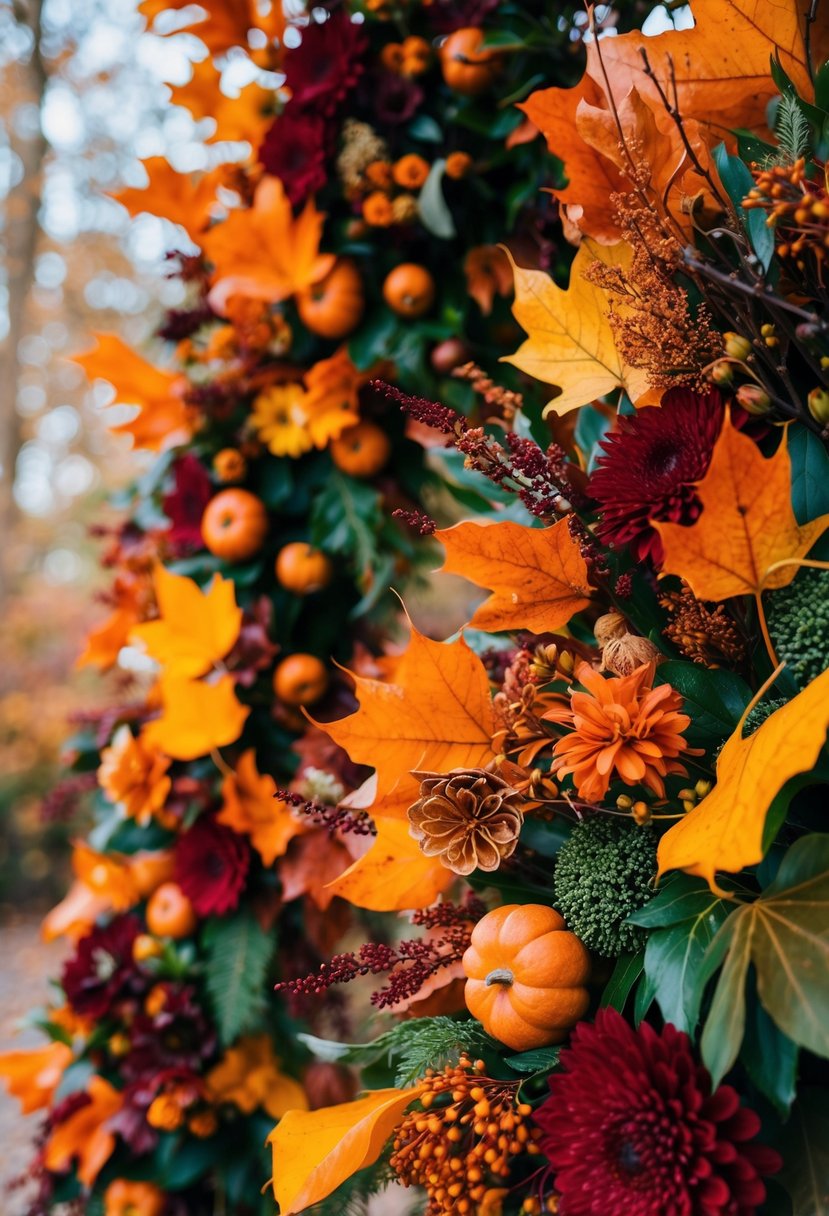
x,y
80,102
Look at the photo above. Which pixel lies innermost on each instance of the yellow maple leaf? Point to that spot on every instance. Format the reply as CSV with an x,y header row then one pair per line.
x,y
250,806
747,524
248,1075
196,717
315,1151
537,575
437,715
570,342
725,830
195,628
394,875
264,252
163,419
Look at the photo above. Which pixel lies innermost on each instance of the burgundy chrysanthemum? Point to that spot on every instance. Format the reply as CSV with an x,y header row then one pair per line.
x,y
395,98
294,151
326,64
184,505
211,866
102,970
631,1125
650,465
176,1036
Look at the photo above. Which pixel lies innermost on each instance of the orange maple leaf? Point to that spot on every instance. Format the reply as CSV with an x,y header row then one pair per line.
x,y
244,117
537,575
570,341
103,883
85,1135
311,866
250,806
163,420
332,402
264,252
196,717
437,715
725,830
315,1151
394,875
105,642
226,23
33,1076
488,274
182,198
746,527
195,628
721,66
594,134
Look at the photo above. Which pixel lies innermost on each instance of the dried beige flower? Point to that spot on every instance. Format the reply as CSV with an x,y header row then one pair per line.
x,y
468,818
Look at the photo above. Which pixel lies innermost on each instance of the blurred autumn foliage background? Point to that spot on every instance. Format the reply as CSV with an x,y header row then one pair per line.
x,y
80,104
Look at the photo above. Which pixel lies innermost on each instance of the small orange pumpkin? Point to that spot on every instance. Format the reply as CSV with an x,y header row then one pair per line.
x,y
234,525
409,290
333,307
301,679
361,450
303,569
526,976
170,913
466,68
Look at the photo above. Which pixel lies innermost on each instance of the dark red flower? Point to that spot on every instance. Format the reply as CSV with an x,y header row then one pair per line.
x,y
184,505
130,1122
326,64
102,970
631,1125
650,465
175,1036
396,99
254,651
294,151
211,866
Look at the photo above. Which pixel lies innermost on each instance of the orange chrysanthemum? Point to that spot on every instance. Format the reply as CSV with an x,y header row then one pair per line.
x,y
621,727
135,776
126,1198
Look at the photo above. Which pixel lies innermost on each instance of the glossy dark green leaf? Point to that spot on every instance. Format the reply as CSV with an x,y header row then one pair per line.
x,y
714,698
542,1059
737,180
804,1143
770,1058
810,474
674,954
625,974
784,934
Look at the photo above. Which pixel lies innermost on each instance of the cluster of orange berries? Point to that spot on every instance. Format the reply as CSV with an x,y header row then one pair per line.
x,y
797,206
407,58
466,1137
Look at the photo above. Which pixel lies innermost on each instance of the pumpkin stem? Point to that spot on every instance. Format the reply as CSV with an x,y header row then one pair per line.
x,y
500,975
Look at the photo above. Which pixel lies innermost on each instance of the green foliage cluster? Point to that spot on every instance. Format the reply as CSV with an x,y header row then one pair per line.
x,y
604,872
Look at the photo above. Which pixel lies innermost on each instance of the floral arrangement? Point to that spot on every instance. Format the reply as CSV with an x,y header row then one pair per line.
x,y
346,231
602,807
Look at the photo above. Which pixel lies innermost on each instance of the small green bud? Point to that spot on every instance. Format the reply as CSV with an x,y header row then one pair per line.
x,y
753,399
736,346
819,405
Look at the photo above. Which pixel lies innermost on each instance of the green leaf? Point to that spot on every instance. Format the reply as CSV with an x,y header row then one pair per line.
x,y
625,974
674,954
591,427
434,214
785,935
737,180
804,1143
810,474
425,129
238,953
770,1058
714,698
378,331
542,1059
345,519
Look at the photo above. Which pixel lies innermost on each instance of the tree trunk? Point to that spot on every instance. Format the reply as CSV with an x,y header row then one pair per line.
x,y
22,231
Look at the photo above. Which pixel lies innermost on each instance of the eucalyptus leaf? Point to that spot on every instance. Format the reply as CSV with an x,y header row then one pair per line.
x,y
431,205
810,474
